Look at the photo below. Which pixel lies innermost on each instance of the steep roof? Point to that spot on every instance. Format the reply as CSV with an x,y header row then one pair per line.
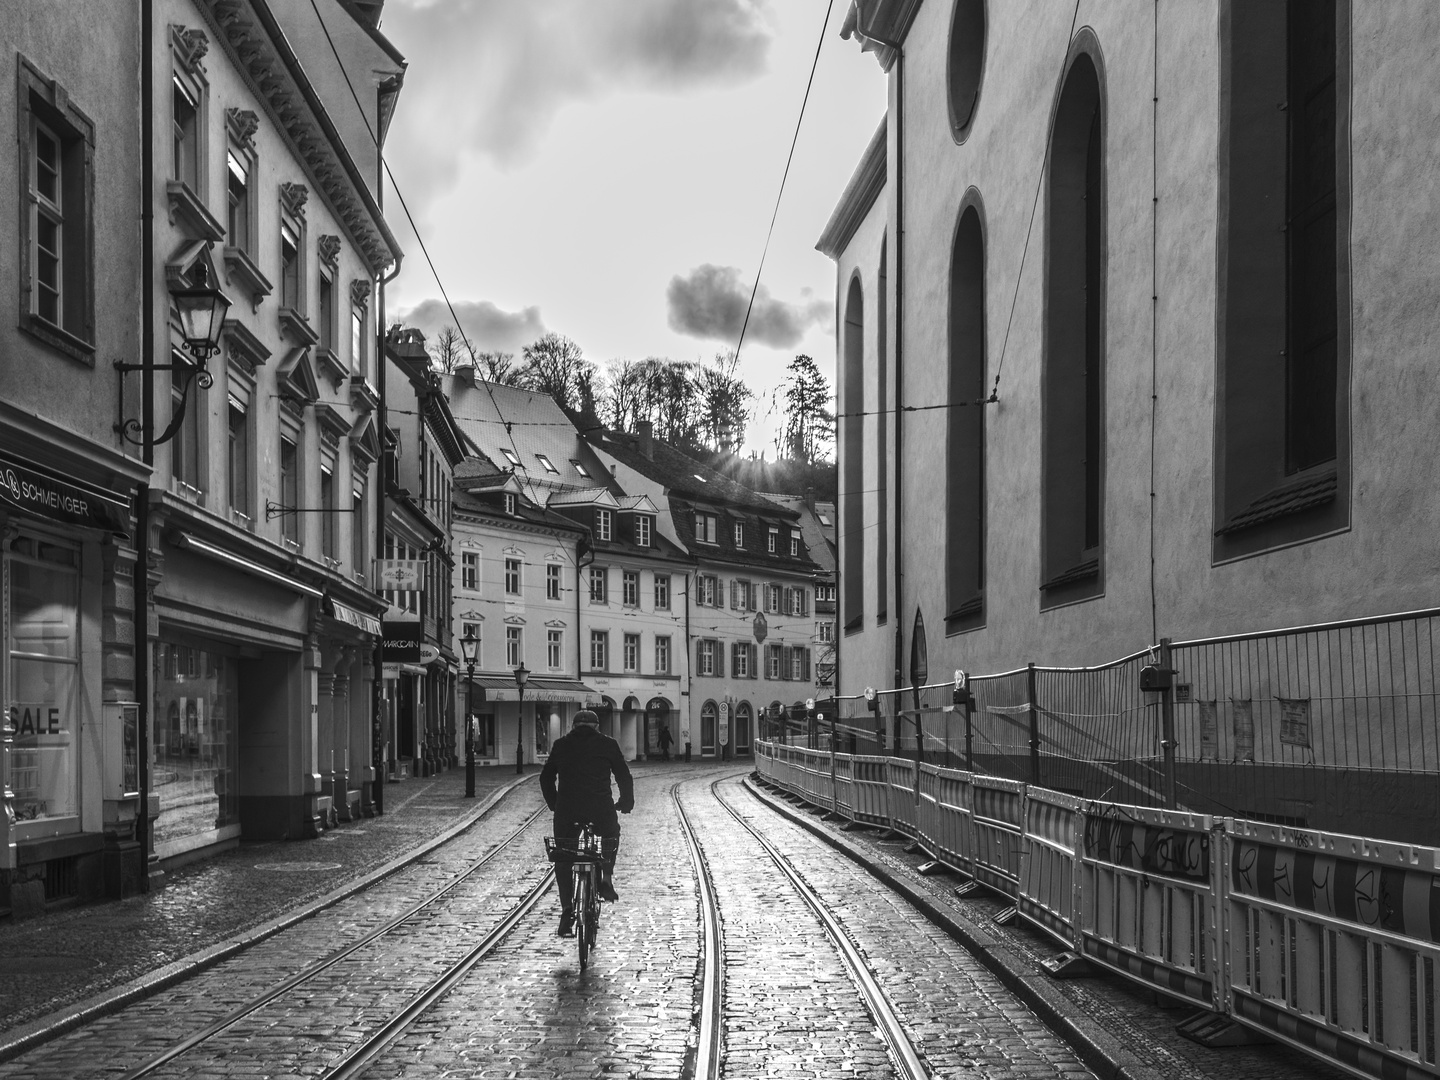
x,y
682,475
819,540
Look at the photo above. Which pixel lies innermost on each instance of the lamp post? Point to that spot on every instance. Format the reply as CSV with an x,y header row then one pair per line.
x,y
469,648
522,675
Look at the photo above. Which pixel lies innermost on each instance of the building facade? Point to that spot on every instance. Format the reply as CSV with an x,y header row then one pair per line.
x,y
751,596
69,762
1154,280
263,620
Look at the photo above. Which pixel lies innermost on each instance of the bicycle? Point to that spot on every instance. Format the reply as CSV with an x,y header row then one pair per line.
x,y
585,857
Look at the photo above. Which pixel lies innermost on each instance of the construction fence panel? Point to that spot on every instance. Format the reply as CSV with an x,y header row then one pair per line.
x,y
1000,724
1331,945
997,831
1150,888
842,783
1049,882
871,790
900,779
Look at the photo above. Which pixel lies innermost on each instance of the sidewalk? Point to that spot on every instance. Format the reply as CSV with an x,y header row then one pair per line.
x,y
59,969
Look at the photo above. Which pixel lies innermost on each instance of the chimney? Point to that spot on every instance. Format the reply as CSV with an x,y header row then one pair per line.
x,y
645,437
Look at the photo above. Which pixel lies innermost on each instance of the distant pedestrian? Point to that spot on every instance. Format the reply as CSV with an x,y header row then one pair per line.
x,y
665,741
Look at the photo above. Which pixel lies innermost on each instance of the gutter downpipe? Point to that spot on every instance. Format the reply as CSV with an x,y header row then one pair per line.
x,y
378,742
898,551
140,580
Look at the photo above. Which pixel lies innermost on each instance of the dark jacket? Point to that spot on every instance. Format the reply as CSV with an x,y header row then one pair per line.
x,y
582,762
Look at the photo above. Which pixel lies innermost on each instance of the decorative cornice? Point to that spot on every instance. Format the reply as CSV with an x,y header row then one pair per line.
x,y
859,195
328,248
190,47
242,124
293,197
243,345
360,292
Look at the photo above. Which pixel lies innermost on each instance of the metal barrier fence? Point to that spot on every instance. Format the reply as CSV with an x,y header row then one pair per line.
x,y
1324,941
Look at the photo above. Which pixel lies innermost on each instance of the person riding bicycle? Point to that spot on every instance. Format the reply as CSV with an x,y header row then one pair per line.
x,y
576,784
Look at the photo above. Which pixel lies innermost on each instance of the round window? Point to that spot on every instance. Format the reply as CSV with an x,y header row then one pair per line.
x,y
967,59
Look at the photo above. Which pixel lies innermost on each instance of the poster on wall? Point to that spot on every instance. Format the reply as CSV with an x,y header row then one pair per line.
x,y
1295,721
1244,720
1209,731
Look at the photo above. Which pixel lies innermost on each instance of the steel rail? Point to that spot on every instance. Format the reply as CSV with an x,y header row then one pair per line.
x,y
356,1061
712,985
902,1051
258,1002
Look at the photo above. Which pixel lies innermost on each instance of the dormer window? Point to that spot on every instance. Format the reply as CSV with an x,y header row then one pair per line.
x,y
739,534
546,462
602,524
580,469
510,502
511,456
772,540
794,545
705,526
642,530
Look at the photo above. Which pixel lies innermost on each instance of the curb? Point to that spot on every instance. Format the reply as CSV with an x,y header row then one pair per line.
x,y
1100,1049
36,1032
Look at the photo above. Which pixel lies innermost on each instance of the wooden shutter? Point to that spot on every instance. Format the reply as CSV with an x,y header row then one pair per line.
x,y
754,660
719,660
805,665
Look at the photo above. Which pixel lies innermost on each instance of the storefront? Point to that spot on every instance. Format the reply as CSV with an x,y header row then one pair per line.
x,y
508,728
59,551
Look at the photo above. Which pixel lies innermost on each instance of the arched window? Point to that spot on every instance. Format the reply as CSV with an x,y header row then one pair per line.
x,y
852,441
1073,382
966,62
709,715
744,729
1282,432
882,463
965,450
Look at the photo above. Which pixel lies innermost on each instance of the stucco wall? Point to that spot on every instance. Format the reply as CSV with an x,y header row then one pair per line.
x,y
1385,560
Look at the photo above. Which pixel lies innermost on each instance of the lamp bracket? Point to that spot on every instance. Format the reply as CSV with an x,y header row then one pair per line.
x,y
274,509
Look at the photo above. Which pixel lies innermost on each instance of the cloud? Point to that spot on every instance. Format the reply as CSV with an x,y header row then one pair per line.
x,y
487,76
710,302
490,328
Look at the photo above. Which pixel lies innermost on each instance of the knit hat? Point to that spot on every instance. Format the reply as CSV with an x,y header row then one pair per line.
x,y
585,716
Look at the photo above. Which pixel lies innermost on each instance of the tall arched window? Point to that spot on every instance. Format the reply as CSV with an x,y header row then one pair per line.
x,y
882,460
852,443
1073,386
965,451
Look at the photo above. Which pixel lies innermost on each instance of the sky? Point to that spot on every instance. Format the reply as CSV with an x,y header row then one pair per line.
x,y
607,170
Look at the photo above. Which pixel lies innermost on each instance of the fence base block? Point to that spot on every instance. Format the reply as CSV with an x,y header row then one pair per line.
x,y
1213,1030
929,869
968,888
852,826
1006,917
1068,965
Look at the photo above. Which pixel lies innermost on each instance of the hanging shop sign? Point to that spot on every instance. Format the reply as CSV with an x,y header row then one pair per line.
x,y
35,490
760,627
366,624
401,643
400,575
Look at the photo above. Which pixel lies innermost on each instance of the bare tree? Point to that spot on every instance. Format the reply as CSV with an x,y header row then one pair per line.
x,y
621,392
498,367
553,365
724,403
449,350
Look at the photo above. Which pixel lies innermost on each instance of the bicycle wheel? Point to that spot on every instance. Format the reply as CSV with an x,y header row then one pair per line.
x,y
582,921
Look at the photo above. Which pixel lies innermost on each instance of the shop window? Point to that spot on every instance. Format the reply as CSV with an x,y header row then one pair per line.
x,y
1282,432
852,458
57,145
195,744
965,435
43,678
1073,377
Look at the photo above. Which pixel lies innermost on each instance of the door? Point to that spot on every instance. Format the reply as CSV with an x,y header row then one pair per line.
x,y
708,724
742,730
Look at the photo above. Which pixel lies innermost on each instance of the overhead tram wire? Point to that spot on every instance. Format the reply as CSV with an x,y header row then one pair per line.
x,y
409,218
825,25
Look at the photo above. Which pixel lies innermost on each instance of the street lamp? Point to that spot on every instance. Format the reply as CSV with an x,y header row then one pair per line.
x,y
469,650
522,676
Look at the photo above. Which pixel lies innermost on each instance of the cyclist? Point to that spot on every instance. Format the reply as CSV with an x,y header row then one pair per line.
x,y
576,785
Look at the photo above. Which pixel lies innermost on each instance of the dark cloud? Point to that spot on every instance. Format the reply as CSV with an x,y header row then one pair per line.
x,y
488,75
488,327
710,302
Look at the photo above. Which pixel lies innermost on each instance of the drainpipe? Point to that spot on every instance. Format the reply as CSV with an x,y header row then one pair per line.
x,y
689,682
897,552
141,578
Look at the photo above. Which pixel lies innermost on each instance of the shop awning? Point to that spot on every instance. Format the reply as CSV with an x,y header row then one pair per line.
x,y
366,624
539,688
36,490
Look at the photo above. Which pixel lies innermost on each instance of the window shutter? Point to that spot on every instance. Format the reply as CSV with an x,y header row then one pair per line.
x,y
750,596
699,588
719,660
805,664
699,655
735,657
734,595
754,660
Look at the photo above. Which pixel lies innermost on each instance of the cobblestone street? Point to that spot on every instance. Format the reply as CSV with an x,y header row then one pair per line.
x,y
791,1007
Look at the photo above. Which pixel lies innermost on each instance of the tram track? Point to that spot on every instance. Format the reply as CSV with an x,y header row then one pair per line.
x,y
300,979
707,1063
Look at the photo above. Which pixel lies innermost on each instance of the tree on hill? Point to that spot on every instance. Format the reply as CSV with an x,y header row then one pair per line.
x,y
449,350
724,402
557,366
809,431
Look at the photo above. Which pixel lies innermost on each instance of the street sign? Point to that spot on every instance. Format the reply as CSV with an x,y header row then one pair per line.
x,y
723,738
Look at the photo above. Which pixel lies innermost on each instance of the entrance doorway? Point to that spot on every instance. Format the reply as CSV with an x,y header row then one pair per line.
x,y
708,723
743,729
